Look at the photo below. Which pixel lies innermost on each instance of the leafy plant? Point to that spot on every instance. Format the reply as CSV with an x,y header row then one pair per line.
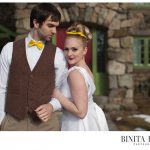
x,y
6,33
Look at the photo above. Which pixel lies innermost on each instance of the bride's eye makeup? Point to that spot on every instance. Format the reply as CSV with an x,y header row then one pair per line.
x,y
74,49
66,49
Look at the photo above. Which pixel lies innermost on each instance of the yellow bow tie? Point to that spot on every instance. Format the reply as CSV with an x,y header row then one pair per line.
x,y
38,44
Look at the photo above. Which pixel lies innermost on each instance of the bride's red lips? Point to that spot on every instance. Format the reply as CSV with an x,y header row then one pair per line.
x,y
70,58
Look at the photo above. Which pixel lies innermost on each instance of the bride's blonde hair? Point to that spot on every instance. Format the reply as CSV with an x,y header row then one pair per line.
x,y
81,31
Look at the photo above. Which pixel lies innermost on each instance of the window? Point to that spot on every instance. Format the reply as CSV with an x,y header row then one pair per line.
x,y
142,52
141,5
99,61
101,49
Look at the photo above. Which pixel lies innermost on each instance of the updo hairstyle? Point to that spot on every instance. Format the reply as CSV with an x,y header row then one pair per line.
x,y
81,31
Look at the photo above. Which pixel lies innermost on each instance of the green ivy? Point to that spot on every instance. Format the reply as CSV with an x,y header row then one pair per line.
x,y
6,33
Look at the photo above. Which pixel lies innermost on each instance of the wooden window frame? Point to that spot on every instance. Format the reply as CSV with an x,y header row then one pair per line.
x,y
139,5
146,65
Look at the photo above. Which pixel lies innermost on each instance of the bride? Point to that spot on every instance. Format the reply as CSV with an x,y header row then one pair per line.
x,y
80,112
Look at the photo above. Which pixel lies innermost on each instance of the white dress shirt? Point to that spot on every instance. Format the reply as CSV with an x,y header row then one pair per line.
x,y
33,54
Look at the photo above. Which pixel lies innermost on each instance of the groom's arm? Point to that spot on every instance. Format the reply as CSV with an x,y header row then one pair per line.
x,y
5,60
60,71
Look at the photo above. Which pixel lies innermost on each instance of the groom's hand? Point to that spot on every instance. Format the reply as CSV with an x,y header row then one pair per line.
x,y
44,112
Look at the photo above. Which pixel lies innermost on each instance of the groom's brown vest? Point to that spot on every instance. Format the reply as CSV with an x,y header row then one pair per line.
x,y
29,89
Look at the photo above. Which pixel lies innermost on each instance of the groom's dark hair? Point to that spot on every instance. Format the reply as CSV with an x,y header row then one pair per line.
x,y
42,11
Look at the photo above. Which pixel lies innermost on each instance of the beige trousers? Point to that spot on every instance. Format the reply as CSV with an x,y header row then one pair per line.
x,y
10,123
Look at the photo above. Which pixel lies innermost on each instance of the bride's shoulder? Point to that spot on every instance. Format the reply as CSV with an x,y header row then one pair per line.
x,y
75,73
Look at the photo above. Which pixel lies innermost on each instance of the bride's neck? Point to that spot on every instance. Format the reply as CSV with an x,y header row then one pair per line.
x,y
82,64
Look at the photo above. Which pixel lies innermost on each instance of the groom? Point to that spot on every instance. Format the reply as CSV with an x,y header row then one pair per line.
x,y
30,69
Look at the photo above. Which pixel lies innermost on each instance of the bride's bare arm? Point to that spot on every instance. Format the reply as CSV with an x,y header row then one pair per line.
x,y
78,105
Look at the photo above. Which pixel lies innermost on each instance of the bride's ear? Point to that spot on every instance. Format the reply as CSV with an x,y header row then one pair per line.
x,y
85,51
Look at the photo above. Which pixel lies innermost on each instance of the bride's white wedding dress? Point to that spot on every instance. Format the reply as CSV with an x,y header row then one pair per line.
x,y
94,120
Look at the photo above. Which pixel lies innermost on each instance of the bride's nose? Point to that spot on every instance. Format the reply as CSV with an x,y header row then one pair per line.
x,y
69,53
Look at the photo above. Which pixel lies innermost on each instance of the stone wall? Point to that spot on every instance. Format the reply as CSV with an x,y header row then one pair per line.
x,y
141,77
22,16
116,17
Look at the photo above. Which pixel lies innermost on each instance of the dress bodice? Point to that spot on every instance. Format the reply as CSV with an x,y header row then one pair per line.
x,y
88,80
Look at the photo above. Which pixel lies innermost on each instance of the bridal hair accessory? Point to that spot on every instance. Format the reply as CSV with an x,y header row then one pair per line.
x,y
76,33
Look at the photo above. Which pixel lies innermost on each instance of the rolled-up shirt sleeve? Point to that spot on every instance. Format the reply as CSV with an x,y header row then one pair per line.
x,y
60,71
4,71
